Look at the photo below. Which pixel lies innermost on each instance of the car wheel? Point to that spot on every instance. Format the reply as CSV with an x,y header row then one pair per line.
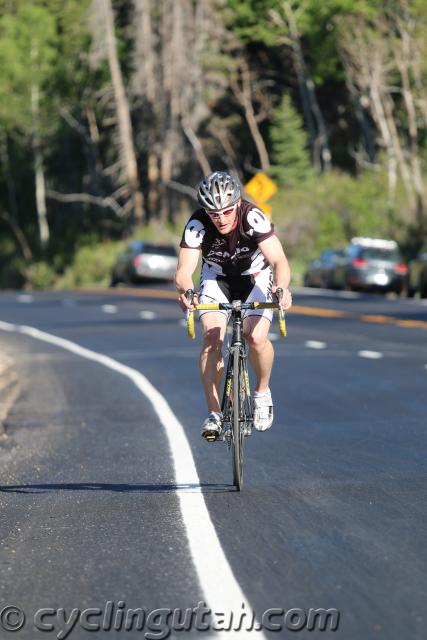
x,y
410,292
423,289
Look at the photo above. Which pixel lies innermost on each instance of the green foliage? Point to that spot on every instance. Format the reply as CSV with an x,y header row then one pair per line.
x,y
334,208
91,266
289,155
45,44
250,20
28,53
93,260
40,275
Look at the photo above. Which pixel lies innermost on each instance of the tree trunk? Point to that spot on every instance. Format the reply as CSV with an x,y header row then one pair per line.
x,y
246,99
365,126
145,49
197,146
128,156
153,179
38,168
11,189
314,118
219,131
403,59
400,157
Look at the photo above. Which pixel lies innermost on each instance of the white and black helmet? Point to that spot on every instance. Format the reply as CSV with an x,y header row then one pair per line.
x,y
218,190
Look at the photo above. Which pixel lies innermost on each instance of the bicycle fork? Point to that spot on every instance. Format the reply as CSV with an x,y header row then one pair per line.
x,y
238,350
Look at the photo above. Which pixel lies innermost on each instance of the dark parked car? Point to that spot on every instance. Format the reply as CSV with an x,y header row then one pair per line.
x,y
144,261
371,264
417,276
319,272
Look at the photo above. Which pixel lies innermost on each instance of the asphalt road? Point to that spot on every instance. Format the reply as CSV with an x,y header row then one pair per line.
x,y
100,502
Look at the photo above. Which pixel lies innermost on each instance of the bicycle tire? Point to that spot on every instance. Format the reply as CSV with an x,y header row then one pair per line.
x,y
237,431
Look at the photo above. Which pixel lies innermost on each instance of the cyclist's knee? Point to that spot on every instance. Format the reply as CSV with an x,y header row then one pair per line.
x,y
257,340
212,339
256,332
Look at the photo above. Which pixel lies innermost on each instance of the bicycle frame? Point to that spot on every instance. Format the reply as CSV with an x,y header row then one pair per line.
x,y
236,404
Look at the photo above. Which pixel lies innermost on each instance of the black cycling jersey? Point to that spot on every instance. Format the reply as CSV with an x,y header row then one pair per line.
x,y
237,252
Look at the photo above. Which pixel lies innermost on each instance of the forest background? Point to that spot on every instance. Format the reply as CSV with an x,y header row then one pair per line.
x,y
111,112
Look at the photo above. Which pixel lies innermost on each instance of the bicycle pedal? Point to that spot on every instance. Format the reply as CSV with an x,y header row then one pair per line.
x,y
211,436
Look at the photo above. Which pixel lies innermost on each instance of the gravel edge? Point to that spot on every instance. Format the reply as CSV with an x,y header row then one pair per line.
x,y
10,388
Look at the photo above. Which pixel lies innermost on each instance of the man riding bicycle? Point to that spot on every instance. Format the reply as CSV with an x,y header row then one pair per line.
x,y
242,259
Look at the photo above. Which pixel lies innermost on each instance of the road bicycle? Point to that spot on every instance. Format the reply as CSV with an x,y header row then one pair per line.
x,y
236,405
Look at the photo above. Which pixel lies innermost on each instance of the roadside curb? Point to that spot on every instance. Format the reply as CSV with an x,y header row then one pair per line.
x,y
10,389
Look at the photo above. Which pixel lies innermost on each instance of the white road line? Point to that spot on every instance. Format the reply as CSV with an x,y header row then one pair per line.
x,y
220,587
374,355
147,315
109,308
25,298
315,344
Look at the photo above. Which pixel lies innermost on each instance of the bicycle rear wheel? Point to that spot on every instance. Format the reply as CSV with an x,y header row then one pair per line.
x,y
237,429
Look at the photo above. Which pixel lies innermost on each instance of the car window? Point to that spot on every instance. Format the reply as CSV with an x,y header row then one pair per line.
x,y
152,249
379,253
352,251
135,246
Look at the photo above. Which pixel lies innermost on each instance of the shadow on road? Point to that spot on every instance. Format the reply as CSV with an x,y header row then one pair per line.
x,y
121,488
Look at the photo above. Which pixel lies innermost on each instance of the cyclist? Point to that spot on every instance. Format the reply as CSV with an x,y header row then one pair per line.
x,y
242,259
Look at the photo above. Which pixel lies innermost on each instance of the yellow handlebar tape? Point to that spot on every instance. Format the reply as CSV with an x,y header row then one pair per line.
x,y
282,324
190,326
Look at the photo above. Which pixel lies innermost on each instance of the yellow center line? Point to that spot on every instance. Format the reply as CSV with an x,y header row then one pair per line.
x,y
299,309
411,324
324,313
377,319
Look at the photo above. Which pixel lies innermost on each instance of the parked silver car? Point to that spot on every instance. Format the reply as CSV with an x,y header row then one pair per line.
x,y
371,264
320,271
144,261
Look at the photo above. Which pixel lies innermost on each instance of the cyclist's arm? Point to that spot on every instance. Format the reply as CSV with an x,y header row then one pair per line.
x,y
188,260
274,254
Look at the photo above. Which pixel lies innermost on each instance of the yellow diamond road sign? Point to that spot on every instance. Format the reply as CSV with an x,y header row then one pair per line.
x,y
260,188
267,209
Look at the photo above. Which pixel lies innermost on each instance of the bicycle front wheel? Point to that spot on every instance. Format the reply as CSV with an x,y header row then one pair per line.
x,y
237,430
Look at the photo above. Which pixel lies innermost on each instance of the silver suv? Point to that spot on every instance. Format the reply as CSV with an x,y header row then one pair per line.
x,y
371,264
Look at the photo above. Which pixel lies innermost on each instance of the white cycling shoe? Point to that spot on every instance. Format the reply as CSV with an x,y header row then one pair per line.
x,y
263,411
212,427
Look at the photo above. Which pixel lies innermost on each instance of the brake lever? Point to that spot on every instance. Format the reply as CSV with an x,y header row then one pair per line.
x,y
279,296
189,294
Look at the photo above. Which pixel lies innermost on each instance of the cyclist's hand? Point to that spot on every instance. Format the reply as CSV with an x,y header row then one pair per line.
x,y
286,299
185,304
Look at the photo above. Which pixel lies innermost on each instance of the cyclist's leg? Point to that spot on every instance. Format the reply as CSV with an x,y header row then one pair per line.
x,y
261,353
214,324
256,326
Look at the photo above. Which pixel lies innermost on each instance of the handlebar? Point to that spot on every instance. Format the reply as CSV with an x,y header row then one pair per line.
x,y
235,305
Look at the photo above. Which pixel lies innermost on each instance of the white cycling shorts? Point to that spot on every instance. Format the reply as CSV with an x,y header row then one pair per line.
x,y
251,288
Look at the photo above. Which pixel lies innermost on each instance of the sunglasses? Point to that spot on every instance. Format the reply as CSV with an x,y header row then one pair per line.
x,y
226,212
